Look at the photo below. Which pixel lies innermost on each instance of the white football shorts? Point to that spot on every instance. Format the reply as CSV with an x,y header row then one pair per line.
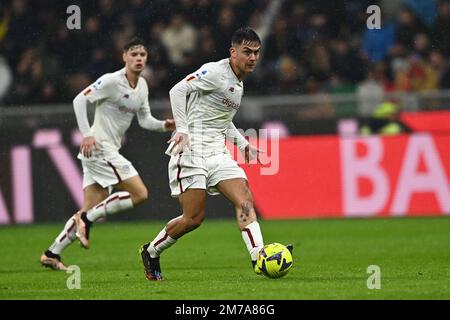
x,y
197,172
107,170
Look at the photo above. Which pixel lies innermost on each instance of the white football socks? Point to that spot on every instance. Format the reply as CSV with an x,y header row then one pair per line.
x,y
162,242
253,239
116,202
65,238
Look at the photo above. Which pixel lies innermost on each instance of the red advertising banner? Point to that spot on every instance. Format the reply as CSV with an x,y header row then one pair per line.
x,y
332,176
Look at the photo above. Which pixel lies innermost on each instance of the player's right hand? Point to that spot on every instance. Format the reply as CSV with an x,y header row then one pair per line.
x,y
251,153
180,141
87,146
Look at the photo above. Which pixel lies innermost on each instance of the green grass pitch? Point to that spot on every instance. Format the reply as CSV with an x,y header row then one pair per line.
x,y
330,261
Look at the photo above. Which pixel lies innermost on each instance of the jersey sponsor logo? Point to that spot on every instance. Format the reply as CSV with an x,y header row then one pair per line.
x,y
126,96
230,104
124,109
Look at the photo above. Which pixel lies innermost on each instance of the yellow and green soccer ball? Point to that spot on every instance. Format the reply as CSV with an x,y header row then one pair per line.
x,y
274,260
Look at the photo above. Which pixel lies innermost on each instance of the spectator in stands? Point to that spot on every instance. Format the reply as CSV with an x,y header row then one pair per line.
x,y
179,39
157,70
297,22
382,75
207,49
345,62
4,22
408,25
313,46
21,32
318,29
370,93
289,74
421,45
108,15
424,9
441,30
417,75
385,120
277,42
223,29
319,62
441,67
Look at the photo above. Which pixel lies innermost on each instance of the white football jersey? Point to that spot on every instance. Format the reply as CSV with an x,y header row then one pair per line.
x,y
213,97
116,105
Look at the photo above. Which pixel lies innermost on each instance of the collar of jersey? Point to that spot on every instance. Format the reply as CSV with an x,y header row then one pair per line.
x,y
127,83
232,71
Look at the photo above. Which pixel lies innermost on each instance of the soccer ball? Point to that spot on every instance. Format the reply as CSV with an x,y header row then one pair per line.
x,y
274,260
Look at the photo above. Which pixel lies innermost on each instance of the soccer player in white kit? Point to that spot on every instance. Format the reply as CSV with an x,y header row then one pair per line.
x,y
203,106
118,97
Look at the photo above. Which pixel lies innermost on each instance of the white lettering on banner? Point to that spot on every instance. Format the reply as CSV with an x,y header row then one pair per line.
x,y
410,180
63,160
368,166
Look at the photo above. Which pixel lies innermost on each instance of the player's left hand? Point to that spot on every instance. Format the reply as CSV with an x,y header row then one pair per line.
x,y
170,124
250,153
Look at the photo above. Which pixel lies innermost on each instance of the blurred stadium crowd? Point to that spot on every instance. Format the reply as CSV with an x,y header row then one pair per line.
x,y
312,46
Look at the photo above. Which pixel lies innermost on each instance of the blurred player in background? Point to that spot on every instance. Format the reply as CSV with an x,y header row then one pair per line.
x,y
204,104
118,97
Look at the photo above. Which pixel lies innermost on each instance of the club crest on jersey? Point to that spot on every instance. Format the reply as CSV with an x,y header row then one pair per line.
x,y
126,96
231,89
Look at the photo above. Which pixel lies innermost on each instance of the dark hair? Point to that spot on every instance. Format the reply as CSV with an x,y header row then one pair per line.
x,y
244,34
133,43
